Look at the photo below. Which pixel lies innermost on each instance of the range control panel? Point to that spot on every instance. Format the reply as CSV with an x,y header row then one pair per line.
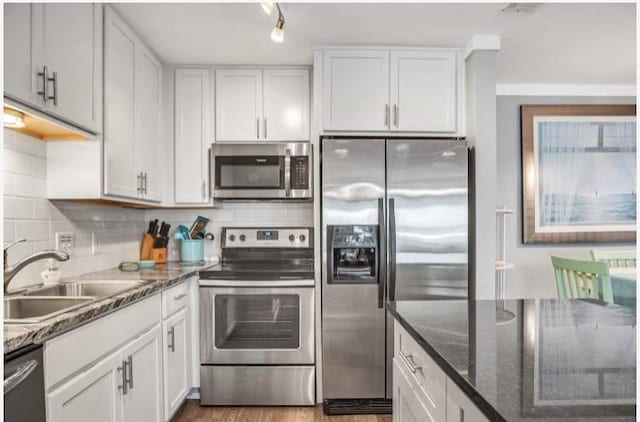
x,y
296,237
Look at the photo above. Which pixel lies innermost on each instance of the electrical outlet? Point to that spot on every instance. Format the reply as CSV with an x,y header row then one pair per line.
x,y
64,242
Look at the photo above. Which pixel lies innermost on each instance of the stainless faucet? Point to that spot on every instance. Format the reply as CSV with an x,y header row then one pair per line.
x,y
10,272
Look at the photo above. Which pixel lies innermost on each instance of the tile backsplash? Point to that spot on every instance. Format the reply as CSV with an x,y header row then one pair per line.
x,y
105,235
116,232
237,214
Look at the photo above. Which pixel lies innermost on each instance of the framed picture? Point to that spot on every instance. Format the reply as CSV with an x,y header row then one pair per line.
x,y
578,173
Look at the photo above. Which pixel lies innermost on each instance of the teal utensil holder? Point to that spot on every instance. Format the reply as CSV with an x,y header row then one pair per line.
x,y
192,250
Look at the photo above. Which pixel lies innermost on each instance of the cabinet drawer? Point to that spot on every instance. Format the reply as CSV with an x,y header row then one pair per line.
x,y
72,351
430,379
175,298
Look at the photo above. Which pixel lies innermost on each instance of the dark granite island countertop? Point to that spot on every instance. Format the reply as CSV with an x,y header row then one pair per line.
x,y
153,280
548,361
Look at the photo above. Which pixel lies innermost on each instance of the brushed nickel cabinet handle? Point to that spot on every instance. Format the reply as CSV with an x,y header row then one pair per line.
x,y
180,296
54,79
386,114
265,128
395,115
172,334
123,370
45,80
258,128
203,189
144,180
139,178
130,364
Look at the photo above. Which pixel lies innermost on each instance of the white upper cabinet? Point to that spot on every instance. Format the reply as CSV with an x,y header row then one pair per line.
x,y
71,39
238,104
121,177
193,122
132,86
286,104
19,80
390,90
356,90
147,120
54,57
262,104
423,91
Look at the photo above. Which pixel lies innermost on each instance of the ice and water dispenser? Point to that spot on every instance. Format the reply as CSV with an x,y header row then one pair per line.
x,y
353,252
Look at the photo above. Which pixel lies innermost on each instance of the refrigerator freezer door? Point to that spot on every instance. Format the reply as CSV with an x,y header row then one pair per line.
x,y
353,323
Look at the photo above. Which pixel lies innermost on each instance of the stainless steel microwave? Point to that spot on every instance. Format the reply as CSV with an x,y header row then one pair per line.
x,y
262,171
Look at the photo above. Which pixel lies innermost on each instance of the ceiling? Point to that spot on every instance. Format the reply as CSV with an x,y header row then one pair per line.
x,y
558,43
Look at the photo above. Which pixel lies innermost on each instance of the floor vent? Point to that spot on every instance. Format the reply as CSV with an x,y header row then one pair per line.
x,y
357,406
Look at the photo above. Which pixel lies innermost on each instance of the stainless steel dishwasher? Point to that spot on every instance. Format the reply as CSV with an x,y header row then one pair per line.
x,y
24,385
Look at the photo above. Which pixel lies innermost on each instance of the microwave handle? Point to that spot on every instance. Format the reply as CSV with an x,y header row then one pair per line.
x,y
287,172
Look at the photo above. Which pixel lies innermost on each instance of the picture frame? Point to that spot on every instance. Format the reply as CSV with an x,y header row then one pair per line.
x,y
578,173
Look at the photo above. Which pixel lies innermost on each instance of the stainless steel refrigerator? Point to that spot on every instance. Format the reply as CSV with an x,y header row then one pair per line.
x,y
395,226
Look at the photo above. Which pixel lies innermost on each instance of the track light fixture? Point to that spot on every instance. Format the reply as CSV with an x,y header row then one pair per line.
x,y
277,35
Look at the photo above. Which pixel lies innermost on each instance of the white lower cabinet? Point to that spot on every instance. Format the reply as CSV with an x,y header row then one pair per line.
x,y
176,362
94,395
133,365
421,390
143,398
407,407
124,386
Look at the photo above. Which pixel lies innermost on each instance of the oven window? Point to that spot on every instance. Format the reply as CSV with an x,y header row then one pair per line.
x,y
236,176
257,321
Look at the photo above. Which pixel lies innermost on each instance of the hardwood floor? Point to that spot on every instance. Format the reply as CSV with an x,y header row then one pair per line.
x,y
192,412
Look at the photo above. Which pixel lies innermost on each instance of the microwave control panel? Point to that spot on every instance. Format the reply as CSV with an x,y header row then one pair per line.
x,y
300,172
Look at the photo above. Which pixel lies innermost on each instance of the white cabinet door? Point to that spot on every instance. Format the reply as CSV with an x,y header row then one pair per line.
x,y
406,405
356,90
71,39
148,75
193,102
423,91
176,362
460,408
239,105
120,172
94,395
143,401
20,69
286,105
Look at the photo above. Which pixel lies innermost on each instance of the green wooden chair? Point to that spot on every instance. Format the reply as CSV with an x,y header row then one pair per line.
x,y
616,259
576,279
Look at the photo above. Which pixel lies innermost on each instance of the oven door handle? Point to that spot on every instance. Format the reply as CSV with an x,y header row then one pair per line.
x,y
287,172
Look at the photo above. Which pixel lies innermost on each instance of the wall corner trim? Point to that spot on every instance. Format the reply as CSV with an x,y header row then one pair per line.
x,y
551,90
480,42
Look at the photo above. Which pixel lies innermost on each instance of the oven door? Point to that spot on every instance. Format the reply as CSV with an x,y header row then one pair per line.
x,y
256,325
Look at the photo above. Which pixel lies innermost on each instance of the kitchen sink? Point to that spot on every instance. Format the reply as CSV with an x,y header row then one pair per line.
x,y
24,310
97,289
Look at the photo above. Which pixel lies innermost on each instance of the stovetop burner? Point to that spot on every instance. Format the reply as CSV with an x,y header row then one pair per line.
x,y
264,254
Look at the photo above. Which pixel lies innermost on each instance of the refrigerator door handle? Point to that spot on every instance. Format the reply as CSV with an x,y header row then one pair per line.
x,y
329,254
382,256
392,250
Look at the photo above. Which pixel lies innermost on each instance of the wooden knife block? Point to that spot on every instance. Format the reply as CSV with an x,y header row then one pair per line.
x,y
147,248
159,255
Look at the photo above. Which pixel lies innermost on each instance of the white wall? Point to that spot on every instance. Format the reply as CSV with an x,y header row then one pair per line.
x,y
28,214
233,214
532,276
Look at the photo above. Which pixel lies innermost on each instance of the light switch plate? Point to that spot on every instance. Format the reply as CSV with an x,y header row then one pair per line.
x,y
64,242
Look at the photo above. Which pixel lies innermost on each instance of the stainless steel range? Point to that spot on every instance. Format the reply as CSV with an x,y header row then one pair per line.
x,y
257,319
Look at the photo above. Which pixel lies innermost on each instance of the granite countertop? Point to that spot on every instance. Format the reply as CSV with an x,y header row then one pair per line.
x,y
154,280
541,360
